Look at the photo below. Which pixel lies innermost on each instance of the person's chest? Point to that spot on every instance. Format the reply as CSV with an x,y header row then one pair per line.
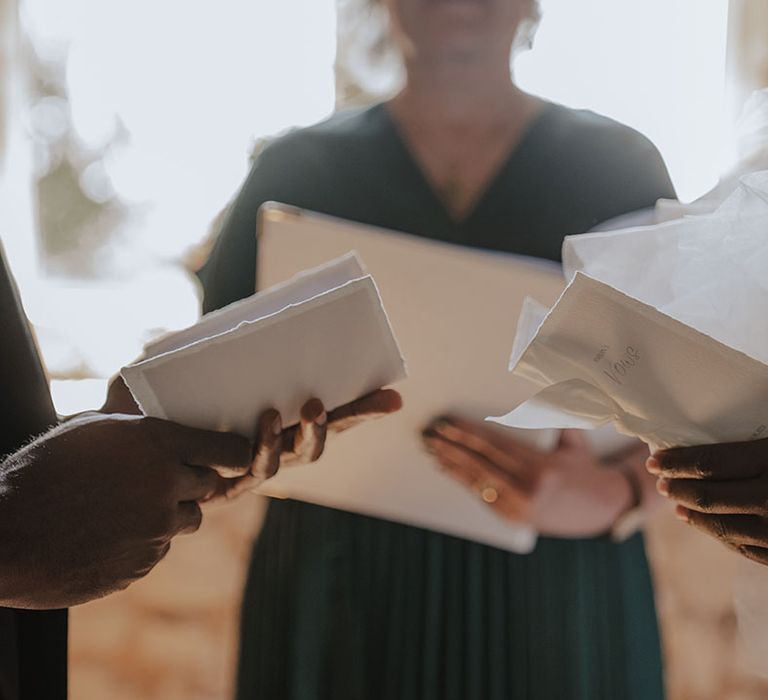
x,y
523,212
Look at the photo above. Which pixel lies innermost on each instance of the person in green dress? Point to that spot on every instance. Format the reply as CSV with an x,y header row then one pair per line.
x,y
341,606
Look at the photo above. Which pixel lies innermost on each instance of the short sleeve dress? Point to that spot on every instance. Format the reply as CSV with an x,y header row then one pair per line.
x,y
339,606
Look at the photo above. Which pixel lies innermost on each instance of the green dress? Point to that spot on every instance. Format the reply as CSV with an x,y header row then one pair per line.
x,y
339,606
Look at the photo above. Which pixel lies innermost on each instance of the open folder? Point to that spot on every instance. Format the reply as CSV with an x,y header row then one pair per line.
x,y
322,333
453,310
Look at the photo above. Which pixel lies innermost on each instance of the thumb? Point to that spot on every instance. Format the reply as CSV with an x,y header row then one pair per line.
x,y
572,439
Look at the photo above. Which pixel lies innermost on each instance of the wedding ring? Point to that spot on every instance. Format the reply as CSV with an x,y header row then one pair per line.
x,y
489,494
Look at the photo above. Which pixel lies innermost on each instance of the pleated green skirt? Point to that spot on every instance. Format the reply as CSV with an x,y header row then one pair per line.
x,y
340,606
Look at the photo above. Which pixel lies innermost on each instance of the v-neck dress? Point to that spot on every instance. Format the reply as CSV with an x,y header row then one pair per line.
x,y
339,606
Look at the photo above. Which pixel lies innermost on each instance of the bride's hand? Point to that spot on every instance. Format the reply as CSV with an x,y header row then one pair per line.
x,y
566,492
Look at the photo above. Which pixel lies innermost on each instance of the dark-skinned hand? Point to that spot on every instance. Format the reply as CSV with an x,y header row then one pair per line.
x,y
93,504
276,445
720,489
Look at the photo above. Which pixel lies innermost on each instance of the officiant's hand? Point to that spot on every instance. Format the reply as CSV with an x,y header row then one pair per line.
x,y
93,504
565,492
722,490
276,446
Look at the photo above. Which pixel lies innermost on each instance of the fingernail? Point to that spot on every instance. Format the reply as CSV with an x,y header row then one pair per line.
x,y
322,419
652,465
662,486
441,424
277,426
682,513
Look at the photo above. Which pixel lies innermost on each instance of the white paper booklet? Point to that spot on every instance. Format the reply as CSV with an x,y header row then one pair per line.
x,y
453,310
323,333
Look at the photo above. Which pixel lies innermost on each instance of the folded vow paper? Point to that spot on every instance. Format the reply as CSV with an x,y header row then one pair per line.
x,y
601,356
667,341
323,333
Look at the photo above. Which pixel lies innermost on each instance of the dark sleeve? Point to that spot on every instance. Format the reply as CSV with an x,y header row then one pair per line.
x,y
33,643
288,171
631,174
230,272
26,409
580,170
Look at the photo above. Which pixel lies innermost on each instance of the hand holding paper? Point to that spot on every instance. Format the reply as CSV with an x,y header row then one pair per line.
x,y
722,489
322,335
303,443
673,351
276,445
676,358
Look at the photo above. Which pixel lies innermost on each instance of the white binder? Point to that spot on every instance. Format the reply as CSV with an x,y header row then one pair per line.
x,y
454,311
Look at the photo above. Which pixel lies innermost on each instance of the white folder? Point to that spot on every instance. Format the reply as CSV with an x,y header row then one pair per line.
x,y
453,310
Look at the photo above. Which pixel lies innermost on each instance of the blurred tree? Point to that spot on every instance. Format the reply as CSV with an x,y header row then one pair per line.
x,y
77,213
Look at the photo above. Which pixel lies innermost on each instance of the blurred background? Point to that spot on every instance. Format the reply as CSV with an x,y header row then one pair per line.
x,y
129,126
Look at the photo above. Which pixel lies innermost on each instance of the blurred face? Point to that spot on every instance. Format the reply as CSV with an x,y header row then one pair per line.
x,y
456,29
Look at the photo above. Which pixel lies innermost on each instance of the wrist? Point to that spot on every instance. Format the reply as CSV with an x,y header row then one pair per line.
x,y
629,518
594,501
616,495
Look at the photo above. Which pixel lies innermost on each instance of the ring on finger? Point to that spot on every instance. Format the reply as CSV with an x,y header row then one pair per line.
x,y
489,494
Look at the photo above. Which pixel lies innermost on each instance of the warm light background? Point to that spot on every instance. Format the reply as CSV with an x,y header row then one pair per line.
x,y
154,109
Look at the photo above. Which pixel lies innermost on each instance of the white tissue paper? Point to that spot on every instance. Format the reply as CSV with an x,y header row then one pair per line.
x,y
662,331
683,301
